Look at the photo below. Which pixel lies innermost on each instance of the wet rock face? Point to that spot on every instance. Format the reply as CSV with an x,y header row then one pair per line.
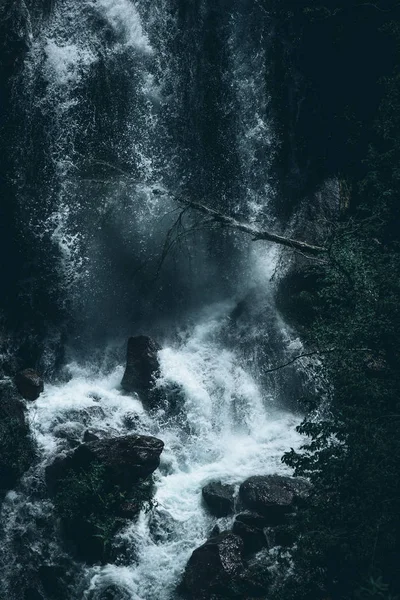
x,y
29,384
89,436
126,459
162,525
99,485
250,528
214,569
219,498
272,496
142,366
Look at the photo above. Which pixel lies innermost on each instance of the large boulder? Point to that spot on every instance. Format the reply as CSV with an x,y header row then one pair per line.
x,y
89,436
142,366
272,496
29,384
97,487
219,498
250,527
215,568
126,459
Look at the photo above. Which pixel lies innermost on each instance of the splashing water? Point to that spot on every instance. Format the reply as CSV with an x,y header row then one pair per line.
x,y
227,430
125,21
126,105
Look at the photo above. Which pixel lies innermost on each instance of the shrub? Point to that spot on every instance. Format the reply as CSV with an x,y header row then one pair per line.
x,y
92,509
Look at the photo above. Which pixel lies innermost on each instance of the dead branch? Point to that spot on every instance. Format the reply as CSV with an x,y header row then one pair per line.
x,y
298,357
313,353
256,233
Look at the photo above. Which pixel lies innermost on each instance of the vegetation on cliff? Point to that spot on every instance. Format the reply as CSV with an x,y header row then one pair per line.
x,y
348,307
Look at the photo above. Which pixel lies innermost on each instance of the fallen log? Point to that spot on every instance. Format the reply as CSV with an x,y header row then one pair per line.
x,y
255,232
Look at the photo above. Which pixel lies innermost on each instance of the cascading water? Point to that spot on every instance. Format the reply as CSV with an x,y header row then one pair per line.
x,y
123,98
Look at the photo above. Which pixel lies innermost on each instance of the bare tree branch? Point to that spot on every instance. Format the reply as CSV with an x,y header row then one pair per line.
x,y
293,360
313,353
256,233
371,5
178,233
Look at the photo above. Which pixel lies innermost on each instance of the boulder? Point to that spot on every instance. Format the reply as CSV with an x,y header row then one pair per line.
x,y
250,528
216,530
99,485
162,525
272,496
142,366
29,384
126,459
219,498
131,421
70,432
89,436
215,568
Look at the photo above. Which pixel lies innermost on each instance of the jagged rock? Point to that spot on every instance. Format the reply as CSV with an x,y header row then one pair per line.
x,y
29,384
214,569
71,432
97,486
142,366
131,421
219,498
162,525
126,459
272,496
250,527
216,530
89,436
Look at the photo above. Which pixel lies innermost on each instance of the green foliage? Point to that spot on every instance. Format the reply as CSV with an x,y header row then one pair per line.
x,y
86,496
351,529
375,589
349,534
92,509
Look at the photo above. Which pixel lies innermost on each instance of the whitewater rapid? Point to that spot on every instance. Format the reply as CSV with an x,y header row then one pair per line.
x,y
228,430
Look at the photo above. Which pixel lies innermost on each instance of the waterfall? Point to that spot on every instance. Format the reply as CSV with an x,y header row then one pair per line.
x,y
117,99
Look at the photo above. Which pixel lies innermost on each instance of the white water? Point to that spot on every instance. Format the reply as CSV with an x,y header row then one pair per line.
x,y
229,427
228,430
